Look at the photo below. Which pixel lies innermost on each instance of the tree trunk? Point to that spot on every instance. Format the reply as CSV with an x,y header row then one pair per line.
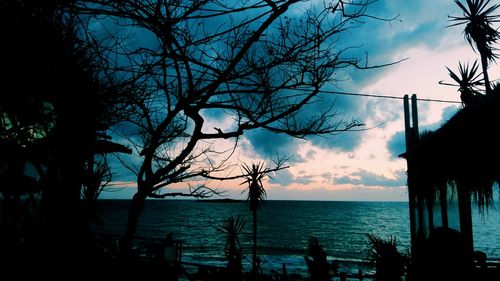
x,y
134,214
254,248
484,64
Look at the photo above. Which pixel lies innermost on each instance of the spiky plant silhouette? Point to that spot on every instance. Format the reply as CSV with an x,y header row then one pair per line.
x,y
468,82
255,194
316,261
479,32
389,263
232,227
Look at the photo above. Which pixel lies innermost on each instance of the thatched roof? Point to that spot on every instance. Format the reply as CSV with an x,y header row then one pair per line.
x,y
464,150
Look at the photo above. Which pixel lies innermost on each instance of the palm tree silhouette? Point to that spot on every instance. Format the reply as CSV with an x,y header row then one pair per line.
x,y
467,81
256,193
478,21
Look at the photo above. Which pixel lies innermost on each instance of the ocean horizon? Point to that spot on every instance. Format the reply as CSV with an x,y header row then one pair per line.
x,y
284,227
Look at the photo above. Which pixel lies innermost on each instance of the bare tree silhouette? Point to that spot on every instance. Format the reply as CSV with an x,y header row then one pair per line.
x,y
246,60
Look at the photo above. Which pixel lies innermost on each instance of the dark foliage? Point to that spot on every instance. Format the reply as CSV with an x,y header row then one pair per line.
x,y
478,19
317,264
389,263
468,82
232,227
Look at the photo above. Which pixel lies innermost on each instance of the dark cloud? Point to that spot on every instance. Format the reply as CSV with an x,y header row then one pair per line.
x,y
348,110
303,180
370,111
397,144
343,142
366,178
268,145
283,178
122,173
327,177
383,42
214,114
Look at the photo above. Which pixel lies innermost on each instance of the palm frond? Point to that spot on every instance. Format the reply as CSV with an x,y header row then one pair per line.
x,y
232,226
479,32
254,176
467,78
381,248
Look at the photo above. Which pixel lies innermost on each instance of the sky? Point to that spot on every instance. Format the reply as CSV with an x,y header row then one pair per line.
x,y
363,165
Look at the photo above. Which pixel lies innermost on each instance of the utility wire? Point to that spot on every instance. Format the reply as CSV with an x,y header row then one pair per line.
x,y
356,94
378,96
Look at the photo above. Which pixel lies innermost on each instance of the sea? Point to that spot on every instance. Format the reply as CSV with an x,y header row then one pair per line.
x,y
284,228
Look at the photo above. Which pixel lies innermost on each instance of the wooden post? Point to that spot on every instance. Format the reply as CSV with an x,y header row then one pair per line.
x,y
464,209
430,213
414,115
415,136
411,187
443,198
408,133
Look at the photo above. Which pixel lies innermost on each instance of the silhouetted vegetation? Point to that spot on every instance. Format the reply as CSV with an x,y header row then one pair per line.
x,y
232,227
317,264
470,125
468,83
192,68
451,166
389,263
255,194
56,104
445,255
72,75
479,32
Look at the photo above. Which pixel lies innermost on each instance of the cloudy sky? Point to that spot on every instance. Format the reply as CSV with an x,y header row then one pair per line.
x,y
365,165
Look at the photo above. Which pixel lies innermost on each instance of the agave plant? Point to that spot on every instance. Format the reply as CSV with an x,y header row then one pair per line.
x,y
479,32
256,194
389,263
232,227
467,81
